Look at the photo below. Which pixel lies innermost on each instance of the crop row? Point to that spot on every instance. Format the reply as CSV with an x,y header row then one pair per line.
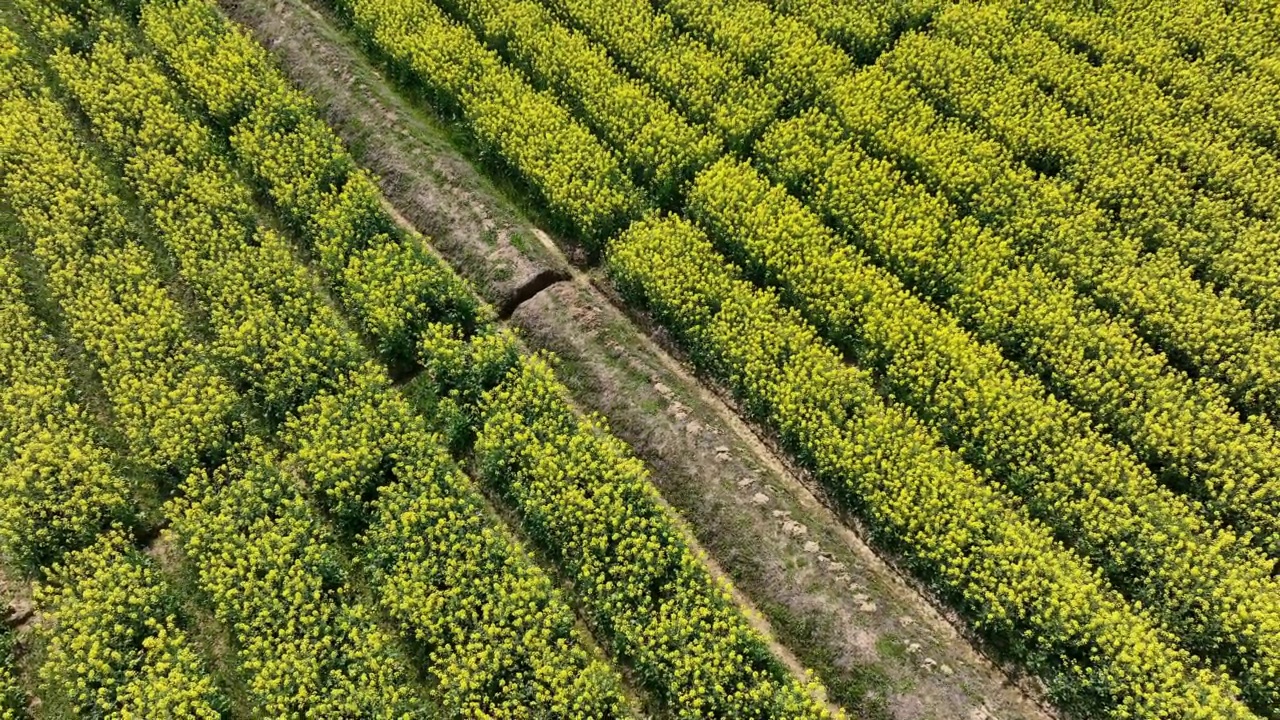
x,y
1150,201
1214,335
491,650
721,667
1099,365
1120,100
1225,91
391,286
1116,97
58,492
1238,466
1209,587
113,647
168,402
861,29
660,148
306,639
1239,38
59,489
967,537
1184,429
590,503
111,639
938,144
704,86
583,185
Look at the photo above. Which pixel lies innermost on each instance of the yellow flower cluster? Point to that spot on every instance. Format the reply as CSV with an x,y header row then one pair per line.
x,y
1095,362
307,644
863,30
170,405
1222,157
112,644
781,50
1145,191
57,486
1045,216
498,639
706,87
1216,61
660,148
582,183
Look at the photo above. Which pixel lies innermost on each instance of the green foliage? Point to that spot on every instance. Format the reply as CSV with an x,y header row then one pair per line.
x,y
13,699
965,534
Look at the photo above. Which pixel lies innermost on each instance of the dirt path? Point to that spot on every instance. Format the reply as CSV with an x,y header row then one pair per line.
x,y
883,647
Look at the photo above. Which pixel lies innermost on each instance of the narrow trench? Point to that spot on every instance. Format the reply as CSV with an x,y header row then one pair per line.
x,y
530,289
